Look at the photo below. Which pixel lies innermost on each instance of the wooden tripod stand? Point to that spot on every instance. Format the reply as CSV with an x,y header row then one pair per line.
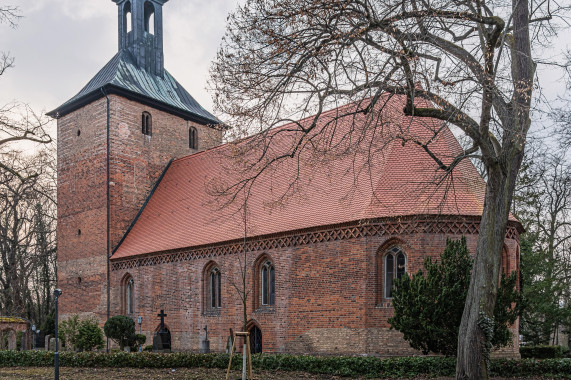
x,y
245,335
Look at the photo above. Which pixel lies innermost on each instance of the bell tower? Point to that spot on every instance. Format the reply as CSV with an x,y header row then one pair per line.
x,y
115,139
141,32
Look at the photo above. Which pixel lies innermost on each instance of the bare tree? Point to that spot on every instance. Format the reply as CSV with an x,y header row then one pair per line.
x,y
543,205
27,235
27,204
466,63
18,122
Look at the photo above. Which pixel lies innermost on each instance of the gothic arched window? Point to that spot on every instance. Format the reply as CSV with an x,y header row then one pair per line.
x,y
128,295
146,124
192,138
268,283
395,267
214,288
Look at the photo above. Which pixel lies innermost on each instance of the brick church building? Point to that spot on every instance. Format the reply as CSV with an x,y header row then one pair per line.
x,y
139,231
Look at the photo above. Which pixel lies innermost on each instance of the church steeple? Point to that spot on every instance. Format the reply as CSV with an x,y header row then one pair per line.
x,y
141,32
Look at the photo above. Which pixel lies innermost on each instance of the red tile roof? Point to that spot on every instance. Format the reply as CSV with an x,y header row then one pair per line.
x,y
366,173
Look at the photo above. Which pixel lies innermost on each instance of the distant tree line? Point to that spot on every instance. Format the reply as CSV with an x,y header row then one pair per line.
x,y
27,205
543,204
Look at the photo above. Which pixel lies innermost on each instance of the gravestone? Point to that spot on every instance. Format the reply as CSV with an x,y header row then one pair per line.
x,y
52,344
205,348
162,338
12,337
47,342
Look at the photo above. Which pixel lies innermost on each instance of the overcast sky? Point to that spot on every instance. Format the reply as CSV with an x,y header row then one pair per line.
x,y
59,45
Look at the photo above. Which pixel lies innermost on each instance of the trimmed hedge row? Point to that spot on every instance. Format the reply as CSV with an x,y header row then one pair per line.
x,y
543,352
329,365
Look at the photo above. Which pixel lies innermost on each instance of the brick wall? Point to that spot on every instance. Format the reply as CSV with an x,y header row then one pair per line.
x,y
136,162
327,296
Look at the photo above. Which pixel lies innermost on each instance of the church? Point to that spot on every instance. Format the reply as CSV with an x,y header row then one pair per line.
x,y
140,231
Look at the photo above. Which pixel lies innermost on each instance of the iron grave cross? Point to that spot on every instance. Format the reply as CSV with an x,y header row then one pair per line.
x,y
162,315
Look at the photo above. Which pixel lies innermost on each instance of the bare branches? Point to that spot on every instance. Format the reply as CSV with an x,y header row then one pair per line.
x,y
465,63
6,62
27,232
19,123
9,15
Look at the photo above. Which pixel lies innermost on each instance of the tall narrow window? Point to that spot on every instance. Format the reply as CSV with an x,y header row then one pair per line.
x,y
395,267
146,124
389,274
130,296
215,288
192,138
268,283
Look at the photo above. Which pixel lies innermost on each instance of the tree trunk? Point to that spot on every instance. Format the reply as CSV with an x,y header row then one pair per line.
x,y
476,328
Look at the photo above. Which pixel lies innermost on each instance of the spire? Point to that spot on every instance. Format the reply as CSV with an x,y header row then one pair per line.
x,y
141,32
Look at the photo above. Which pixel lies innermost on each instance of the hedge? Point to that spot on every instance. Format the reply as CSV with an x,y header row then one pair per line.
x,y
543,352
327,365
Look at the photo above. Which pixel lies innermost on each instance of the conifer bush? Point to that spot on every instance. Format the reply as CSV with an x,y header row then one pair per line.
x,y
89,335
120,329
429,304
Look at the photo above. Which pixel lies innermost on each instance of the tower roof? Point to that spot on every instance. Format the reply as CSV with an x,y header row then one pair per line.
x,y
122,76
137,70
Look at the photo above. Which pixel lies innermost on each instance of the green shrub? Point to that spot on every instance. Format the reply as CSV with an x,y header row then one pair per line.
x,y
428,305
148,348
121,329
67,331
543,352
19,336
48,325
136,341
89,335
325,365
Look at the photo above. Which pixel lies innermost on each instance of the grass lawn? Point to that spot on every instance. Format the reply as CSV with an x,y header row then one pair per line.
x,y
66,373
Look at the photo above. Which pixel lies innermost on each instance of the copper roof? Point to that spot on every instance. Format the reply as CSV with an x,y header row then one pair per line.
x,y
122,76
376,178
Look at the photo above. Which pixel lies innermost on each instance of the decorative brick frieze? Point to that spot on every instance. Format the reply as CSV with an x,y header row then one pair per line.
x,y
377,227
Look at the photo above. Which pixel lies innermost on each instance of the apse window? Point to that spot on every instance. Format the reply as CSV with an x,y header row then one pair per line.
x,y
395,268
146,124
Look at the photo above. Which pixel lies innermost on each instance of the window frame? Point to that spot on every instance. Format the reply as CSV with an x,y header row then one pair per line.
x,y
395,253
146,124
214,289
128,294
193,138
267,274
